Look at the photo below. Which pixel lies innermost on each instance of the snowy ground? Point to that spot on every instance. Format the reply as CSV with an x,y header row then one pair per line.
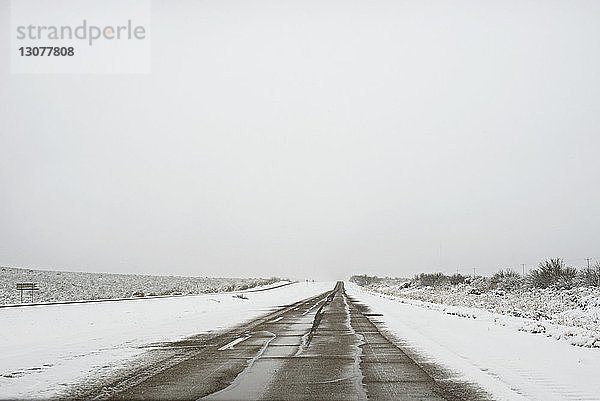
x,y
568,315
489,349
71,286
45,349
577,307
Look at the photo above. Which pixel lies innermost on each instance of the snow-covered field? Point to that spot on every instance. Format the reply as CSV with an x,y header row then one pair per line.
x,y
70,286
490,349
45,349
571,315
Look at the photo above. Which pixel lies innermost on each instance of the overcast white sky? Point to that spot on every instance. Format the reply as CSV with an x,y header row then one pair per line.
x,y
314,139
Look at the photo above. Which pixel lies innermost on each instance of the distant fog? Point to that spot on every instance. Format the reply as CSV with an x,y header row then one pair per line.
x,y
314,139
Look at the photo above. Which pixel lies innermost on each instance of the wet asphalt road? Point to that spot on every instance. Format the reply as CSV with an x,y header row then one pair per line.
x,y
322,348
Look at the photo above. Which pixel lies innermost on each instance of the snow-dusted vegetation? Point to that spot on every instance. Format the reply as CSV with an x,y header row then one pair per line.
x,y
553,300
72,286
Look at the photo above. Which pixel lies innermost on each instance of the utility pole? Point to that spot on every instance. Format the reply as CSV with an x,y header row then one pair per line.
x,y
588,262
523,264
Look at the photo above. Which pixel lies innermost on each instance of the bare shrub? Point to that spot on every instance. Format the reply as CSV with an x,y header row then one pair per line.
x,y
507,280
364,280
431,279
553,273
589,277
457,278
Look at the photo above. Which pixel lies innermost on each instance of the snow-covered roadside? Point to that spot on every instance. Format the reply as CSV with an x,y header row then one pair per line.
x,y
572,311
84,301
47,348
276,284
490,351
60,286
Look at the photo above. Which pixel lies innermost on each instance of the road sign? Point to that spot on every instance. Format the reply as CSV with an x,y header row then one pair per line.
x,y
27,287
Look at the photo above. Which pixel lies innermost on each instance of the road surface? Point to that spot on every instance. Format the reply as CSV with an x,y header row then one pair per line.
x,y
322,348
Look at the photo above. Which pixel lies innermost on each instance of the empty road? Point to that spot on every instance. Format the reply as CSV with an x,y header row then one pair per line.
x,y
321,348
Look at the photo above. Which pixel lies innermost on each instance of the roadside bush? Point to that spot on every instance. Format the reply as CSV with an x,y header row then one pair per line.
x,y
589,276
431,279
457,278
506,280
480,283
553,273
405,285
364,280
